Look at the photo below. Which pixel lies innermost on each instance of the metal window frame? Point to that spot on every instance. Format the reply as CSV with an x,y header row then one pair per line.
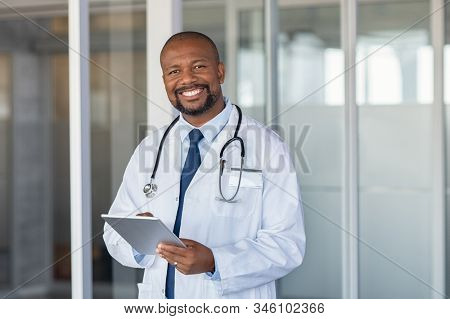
x,y
271,24
80,157
231,33
438,218
350,221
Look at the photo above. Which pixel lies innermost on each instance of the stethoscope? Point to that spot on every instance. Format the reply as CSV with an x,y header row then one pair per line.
x,y
151,188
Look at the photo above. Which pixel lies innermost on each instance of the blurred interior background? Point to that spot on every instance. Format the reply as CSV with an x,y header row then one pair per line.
x,y
395,97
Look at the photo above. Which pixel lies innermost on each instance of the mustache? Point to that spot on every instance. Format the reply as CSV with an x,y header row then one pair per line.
x,y
192,87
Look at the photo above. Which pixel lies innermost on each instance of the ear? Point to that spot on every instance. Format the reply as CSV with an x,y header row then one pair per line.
x,y
221,72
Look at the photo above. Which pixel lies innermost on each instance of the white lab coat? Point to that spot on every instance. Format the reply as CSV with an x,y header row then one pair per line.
x,y
255,241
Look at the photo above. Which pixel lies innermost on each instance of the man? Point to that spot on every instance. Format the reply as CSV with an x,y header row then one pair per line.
x,y
235,248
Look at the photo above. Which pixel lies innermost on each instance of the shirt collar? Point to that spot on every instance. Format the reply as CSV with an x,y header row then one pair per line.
x,y
211,128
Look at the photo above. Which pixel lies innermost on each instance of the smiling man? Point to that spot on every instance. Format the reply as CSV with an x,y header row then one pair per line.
x,y
240,218
192,76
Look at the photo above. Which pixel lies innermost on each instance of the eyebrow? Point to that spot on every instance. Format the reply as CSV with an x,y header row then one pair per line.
x,y
200,60
193,62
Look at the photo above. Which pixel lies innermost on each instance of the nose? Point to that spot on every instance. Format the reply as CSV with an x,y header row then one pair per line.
x,y
188,77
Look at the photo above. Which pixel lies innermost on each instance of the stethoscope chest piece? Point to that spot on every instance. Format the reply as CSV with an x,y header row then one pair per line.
x,y
150,189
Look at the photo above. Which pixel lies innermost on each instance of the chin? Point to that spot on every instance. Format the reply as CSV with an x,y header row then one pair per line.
x,y
195,108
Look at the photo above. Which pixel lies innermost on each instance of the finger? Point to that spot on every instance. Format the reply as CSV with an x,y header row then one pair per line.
x,y
188,242
169,260
172,258
146,214
181,268
163,248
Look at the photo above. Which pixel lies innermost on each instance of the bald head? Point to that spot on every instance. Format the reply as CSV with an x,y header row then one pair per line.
x,y
191,35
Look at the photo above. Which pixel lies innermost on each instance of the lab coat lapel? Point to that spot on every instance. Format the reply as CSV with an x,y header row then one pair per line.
x,y
210,163
173,156
169,172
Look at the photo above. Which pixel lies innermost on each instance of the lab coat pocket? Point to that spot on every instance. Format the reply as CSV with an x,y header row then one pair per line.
x,y
249,194
209,290
147,291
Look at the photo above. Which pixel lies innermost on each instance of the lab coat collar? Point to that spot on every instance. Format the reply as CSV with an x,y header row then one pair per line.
x,y
210,129
210,162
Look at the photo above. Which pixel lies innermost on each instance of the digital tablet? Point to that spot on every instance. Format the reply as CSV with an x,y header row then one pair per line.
x,y
142,233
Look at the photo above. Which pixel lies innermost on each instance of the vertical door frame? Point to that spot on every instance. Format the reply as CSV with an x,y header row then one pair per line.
x,y
350,222
80,157
271,25
231,47
437,229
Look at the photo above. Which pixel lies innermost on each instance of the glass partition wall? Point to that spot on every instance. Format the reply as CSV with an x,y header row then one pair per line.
x,y
394,142
34,177
118,112
394,95
34,142
311,118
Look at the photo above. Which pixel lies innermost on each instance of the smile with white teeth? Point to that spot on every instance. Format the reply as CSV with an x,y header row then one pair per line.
x,y
191,92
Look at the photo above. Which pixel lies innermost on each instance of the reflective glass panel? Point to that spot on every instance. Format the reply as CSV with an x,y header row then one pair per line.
x,y
118,119
394,89
250,61
34,154
311,98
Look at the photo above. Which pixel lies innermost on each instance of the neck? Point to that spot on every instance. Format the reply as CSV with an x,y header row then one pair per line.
x,y
199,120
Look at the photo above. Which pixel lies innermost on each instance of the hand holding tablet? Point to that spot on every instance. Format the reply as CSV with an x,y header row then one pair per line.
x,y
143,232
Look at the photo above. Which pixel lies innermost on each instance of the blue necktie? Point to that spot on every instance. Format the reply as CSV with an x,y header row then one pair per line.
x,y
191,165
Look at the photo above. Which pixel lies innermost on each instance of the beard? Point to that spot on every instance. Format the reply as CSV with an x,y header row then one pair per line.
x,y
211,99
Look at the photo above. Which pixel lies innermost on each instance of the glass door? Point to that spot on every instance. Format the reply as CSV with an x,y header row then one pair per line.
x,y
394,96
34,176
311,118
118,120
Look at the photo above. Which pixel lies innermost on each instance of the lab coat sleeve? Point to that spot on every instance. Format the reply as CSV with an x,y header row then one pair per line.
x,y
124,205
279,245
142,259
214,275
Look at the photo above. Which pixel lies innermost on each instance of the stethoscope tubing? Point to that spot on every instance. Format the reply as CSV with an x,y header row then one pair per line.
x,y
151,188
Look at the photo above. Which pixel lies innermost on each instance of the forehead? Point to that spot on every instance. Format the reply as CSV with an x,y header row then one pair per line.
x,y
185,50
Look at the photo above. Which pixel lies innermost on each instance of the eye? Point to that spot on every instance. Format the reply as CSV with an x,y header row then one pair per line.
x,y
173,72
200,66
